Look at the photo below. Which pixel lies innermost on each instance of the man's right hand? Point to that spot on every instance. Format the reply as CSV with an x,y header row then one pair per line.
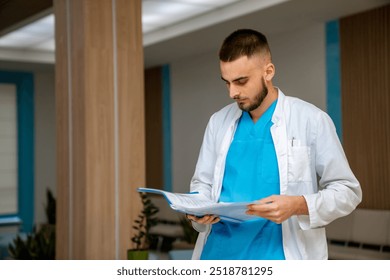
x,y
205,220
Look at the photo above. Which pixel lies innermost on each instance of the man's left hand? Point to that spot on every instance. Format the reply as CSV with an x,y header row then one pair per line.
x,y
279,208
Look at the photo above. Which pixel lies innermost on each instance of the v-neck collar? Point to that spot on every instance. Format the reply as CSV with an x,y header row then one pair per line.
x,y
251,127
266,116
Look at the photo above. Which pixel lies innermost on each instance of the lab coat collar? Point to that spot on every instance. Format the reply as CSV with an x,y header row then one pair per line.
x,y
278,113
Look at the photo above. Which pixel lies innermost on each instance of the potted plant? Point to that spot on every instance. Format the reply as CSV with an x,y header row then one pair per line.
x,y
142,224
190,234
40,244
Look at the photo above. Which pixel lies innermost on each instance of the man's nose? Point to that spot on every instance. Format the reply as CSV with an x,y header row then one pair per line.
x,y
233,92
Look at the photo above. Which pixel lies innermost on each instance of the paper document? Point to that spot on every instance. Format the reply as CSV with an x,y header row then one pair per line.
x,y
196,204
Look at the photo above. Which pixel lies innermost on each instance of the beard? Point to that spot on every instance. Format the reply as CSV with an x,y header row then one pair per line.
x,y
258,99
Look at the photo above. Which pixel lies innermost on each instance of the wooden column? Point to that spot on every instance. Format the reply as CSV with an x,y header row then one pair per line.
x,y
365,72
100,126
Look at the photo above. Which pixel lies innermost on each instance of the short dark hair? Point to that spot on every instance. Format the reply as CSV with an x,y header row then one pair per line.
x,y
243,42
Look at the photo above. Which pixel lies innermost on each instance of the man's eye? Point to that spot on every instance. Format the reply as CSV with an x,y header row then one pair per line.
x,y
242,82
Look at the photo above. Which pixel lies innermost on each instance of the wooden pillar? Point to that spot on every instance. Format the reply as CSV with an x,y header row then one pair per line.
x,y
365,72
100,126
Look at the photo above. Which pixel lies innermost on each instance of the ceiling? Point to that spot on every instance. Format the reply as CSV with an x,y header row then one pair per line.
x,y
272,20
156,15
173,29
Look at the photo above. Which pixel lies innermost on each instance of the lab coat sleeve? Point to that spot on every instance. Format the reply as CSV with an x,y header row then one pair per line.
x,y
339,190
202,179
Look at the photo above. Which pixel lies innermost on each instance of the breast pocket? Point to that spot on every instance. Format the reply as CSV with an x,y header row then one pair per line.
x,y
299,164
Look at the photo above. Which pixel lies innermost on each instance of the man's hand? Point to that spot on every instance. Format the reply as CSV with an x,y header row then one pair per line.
x,y
205,220
279,208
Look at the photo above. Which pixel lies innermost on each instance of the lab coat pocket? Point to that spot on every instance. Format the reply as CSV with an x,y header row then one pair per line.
x,y
299,164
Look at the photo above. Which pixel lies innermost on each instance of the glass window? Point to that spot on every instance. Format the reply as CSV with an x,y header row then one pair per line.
x,y
8,150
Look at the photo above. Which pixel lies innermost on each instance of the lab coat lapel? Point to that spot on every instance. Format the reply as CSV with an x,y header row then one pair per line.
x,y
279,137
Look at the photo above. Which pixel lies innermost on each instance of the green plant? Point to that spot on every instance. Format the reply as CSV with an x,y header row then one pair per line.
x,y
145,220
190,234
50,208
40,244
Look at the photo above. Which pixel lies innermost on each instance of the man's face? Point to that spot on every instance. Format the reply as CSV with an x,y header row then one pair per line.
x,y
244,78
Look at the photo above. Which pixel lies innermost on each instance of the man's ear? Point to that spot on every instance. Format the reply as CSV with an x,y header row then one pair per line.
x,y
269,72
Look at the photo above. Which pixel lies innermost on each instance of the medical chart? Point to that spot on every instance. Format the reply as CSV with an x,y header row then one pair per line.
x,y
196,204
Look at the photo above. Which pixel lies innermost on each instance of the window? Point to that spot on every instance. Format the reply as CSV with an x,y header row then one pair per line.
x,y
8,150
17,149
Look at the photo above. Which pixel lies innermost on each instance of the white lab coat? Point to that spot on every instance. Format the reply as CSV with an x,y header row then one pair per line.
x,y
306,145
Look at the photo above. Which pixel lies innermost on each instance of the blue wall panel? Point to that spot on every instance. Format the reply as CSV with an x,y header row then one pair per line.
x,y
333,76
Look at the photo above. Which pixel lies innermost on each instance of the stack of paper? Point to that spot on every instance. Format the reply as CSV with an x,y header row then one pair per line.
x,y
196,204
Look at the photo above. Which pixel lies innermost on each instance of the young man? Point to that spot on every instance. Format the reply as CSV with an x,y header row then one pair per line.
x,y
269,148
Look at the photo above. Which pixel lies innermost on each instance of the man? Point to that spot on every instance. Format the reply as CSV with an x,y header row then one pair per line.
x,y
272,149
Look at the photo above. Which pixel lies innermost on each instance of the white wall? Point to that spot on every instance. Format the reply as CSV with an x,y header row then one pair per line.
x,y
45,140
197,91
299,58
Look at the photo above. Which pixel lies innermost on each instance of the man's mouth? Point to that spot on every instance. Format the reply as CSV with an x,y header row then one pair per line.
x,y
240,100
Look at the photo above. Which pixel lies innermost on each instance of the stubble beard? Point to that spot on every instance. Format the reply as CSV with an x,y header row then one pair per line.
x,y
259,98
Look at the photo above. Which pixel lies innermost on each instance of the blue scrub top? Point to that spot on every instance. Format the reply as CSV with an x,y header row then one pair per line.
x,y
251,173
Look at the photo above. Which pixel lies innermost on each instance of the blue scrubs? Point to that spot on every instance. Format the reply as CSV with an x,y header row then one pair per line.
x,y
251,173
